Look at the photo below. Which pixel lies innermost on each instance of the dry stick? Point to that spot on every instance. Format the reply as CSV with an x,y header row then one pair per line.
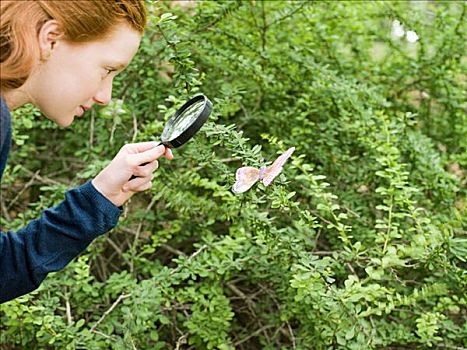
x,y
133,343
115,247
100,267
322,252
165,246
172,249
140,225
191,257
91,130
103,334
114,305
291,335
231,159
265,289
44,179
28,184
450,347
138,231
180,341
118,251
254,334
4,211
287,15
68,312
243,296
351,268
135,128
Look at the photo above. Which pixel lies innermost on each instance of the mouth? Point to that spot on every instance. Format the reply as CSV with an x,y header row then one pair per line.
x,y
82,109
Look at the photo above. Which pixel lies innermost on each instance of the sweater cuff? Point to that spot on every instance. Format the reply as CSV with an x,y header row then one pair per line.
x,y
110,210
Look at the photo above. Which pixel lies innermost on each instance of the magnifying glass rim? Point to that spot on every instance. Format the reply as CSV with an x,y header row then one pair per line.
x,y
189,132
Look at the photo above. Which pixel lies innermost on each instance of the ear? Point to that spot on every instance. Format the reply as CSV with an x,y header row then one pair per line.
x,y
49,35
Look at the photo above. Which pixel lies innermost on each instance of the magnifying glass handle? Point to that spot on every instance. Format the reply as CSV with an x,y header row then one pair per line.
x,y
133,176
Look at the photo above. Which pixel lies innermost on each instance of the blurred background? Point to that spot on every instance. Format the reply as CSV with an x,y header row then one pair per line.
x,y
360,243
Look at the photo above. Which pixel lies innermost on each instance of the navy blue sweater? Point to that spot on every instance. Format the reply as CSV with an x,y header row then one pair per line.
x,y
52,241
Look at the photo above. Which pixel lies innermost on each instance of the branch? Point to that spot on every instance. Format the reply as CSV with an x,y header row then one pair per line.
x,y
254,334
26,186
114,305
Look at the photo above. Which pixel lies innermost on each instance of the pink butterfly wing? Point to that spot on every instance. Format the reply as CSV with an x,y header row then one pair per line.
x,y
246,177
269,174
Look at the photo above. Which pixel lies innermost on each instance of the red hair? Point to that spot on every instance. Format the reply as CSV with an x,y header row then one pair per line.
x,y
80,21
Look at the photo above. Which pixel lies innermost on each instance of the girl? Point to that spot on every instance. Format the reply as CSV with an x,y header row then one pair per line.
x,y
62,57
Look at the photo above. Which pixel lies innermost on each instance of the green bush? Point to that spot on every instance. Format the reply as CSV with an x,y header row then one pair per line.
x,y
359,244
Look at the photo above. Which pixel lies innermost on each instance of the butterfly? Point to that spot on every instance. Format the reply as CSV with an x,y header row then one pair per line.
x,y
247,176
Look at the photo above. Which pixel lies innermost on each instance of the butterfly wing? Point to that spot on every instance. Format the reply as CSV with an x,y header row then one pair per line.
x,y
246,177
270,173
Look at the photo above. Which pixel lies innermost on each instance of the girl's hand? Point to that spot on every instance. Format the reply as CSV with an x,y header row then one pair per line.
x,y
138,159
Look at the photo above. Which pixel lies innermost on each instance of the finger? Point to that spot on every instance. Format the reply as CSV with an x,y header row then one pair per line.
x,y
137,184
147,156
141,146
168,153
146,169
143,187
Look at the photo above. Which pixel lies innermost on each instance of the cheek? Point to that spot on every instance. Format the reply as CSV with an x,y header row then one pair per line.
x,y
68,87
60,90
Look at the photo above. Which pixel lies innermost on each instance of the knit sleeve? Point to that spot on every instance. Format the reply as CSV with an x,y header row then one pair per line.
x,y
49,243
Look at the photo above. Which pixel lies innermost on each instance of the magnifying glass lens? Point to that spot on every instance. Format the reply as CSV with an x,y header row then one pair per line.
x,y
184,120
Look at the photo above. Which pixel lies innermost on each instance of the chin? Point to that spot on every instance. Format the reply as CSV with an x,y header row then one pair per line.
x,y
63,121
68,123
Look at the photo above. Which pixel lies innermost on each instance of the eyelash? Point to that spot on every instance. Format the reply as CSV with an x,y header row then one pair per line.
x,y
110,70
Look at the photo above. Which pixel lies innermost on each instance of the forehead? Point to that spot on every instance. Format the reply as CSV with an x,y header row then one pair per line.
x,y
116,48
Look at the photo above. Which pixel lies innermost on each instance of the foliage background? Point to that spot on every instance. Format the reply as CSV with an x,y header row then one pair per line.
x,y
359,244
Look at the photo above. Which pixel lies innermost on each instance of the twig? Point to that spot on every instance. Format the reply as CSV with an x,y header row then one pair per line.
x,y
100,265
254,334
290,14
115,246
25,187
140,225
172,249
191,257
138,231
135,128
450,347
114,305
264,27
44,179
103,334
180,341
321,253
351,268
91,129
4,210
68,311
291,335
242,295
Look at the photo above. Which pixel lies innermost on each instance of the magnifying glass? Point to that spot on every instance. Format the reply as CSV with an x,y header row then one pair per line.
x,y
186,122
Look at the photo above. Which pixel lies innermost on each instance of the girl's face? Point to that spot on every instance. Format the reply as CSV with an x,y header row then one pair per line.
x,y
76,76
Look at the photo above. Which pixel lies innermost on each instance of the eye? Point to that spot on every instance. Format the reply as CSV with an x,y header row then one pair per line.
x,y
109,70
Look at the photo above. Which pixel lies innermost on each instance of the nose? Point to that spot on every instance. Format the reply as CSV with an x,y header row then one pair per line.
x,y
104,94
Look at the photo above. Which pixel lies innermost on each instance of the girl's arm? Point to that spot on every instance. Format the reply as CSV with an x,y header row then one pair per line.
x,y
49,243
